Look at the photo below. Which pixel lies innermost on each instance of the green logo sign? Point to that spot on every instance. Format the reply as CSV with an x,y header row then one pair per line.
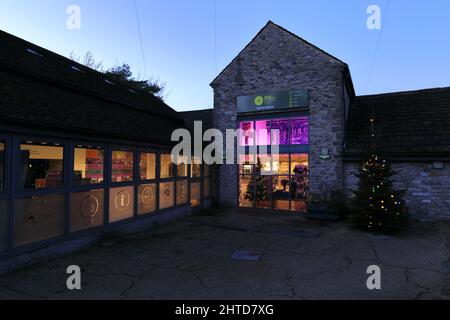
x,y
259,100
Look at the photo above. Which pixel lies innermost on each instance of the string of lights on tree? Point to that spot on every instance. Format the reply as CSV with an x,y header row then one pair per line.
x,y
377,206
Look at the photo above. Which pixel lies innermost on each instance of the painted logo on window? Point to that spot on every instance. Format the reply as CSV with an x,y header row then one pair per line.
x,y
122,200
259,100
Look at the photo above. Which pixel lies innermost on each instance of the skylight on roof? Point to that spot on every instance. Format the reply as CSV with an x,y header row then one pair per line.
x,y
34,52
109,82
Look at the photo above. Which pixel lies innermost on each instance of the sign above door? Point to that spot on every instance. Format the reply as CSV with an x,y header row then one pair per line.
x,y
276,100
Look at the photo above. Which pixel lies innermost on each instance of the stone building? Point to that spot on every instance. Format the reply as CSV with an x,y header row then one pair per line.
x,y
280,81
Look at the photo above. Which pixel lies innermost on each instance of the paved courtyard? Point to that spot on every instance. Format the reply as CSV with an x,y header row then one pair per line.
x,y
191,259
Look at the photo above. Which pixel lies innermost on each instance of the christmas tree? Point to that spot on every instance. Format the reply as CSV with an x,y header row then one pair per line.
x,y
376,206
262,185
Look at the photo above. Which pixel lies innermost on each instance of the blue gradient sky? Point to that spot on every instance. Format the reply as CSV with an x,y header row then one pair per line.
x,y
179,38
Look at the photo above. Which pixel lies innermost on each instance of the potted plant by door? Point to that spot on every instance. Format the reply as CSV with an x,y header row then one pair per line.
x,y
328,206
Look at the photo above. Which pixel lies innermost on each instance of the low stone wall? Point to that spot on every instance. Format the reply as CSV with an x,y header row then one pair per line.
x,y
427,189
65,247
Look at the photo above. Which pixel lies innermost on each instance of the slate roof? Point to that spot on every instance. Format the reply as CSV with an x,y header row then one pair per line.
x,y
42,89
206,116
407,124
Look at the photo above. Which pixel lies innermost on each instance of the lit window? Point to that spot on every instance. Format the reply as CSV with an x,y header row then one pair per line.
x,y
166,197
300,131
246,137
262,133
263,165
88,166
196,168
182,192
246,163
280,132
166,166
42,165
182,168
86,210
206,170
2,166
122,166
280,163
38,218
147,166
195,194
246,191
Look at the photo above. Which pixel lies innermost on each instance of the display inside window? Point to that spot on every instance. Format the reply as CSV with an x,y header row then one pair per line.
x,y
280,164
38,218
166,166
147,166
88,166
166,195
146,198
4,218
206,187
300,181
280,132
246,163
2,166
263,165
121,203
196,194
182,192
42,166
259,190
182,167
196,168
122,166
262,132
246,196
87,210
300,131
280,195
246,137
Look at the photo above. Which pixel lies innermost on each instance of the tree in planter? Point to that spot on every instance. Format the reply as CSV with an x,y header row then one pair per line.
x,y
261,185
376,206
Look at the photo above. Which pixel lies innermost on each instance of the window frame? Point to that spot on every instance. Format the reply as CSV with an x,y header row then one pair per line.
x,y
87,187
140,152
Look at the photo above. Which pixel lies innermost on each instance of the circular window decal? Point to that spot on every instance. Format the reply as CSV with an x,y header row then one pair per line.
x,y
122,200
89,207
259,100
147,196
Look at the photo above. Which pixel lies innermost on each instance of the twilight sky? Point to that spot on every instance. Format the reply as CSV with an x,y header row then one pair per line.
x,y
185,44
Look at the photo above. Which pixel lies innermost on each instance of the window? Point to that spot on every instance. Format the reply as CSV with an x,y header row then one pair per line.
x,y
196,168
2,166
121,203
38,218
280,164
122,166
86,210
281,186
300,131
146,198
246,191
182,192
246,163
88,166
262,129
42,166
4,218
166,197
182,167
263,165
282,136
206,187
246,137
166,166
147,166
206,170
195,194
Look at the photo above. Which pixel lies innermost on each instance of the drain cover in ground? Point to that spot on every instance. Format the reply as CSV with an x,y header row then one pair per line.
x,y
246,255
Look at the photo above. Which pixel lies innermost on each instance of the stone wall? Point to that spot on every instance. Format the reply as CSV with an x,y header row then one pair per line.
x,y
277,60
427,189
